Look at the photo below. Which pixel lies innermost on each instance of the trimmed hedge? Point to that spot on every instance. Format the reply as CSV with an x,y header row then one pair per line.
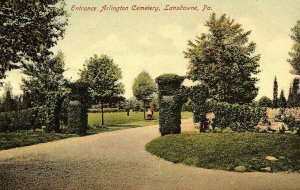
x,y
77,118
235,116
171,98
27,119
168,84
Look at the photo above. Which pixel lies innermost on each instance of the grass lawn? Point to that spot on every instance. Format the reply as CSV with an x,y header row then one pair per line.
x,y
227,150
113,121
120,120
25,138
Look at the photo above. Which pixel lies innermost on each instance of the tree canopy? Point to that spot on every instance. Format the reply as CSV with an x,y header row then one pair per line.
x,y
295,53
43,78
143,87
102,77
224,59
28,29
265,102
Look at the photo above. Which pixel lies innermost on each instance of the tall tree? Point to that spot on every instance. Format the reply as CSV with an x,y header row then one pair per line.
x,y
43,78
295,53
143,87
294,96
28,29
282,100
9,103
275,93
223,58
103,78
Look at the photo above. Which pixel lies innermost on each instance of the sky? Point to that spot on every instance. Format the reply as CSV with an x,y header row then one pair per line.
x,y
155,41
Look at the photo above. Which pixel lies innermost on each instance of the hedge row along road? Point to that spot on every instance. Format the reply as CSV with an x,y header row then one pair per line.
x,y
118,160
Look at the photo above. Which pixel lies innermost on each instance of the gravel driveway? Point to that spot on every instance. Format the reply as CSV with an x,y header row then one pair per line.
x,y
118,160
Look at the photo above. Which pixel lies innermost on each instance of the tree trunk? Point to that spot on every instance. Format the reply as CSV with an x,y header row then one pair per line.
x,y
102,111
144,110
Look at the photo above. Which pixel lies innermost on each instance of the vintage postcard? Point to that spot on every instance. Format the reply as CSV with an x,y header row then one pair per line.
x,y
150,94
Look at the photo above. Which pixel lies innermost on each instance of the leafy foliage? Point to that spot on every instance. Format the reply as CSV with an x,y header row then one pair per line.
x,y
236,116
265,102
223,59
9,102
44,78
295,53
28,30
103,76
199,94
53,107
77,118
167,83
171,98
143,87
31,118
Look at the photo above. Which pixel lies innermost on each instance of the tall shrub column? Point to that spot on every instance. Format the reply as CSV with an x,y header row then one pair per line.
x,y
77,110
171,97
199,94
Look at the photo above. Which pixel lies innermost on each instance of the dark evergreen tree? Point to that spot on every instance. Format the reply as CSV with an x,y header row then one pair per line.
x,y
275,93
26,100
282,100
9,104
294,96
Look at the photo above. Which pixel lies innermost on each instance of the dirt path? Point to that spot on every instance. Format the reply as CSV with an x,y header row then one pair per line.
x,y
118,160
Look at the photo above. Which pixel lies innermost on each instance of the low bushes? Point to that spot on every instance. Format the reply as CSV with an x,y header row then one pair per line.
x,y
237,117
31,118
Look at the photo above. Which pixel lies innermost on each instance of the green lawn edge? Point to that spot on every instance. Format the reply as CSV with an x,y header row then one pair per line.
x,y
225,151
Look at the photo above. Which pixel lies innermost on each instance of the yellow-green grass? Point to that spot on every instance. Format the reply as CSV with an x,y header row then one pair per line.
x,y
225,151
120,119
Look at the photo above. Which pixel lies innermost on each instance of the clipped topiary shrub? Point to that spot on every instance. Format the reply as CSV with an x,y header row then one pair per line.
x,y
168,84
199,94
77,118
171,98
